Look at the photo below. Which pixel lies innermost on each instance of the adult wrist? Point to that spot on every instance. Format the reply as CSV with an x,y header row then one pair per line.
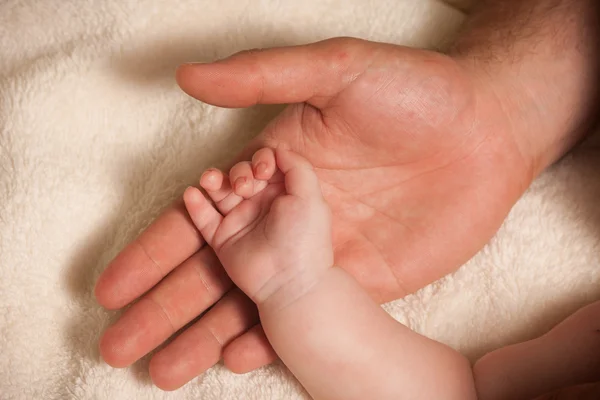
x,y
538,62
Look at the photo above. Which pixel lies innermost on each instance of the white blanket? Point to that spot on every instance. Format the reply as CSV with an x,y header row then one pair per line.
x,y
96,138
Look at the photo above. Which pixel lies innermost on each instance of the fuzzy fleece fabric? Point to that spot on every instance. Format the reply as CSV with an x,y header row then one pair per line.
x,y
96,138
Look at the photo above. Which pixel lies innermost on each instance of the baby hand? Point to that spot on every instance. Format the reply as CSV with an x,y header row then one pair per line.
x,y
273,231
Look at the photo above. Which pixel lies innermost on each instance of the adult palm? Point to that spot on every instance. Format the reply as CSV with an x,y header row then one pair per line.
x,y
415,158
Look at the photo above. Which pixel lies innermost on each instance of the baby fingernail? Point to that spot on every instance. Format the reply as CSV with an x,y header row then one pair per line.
x,y
239,182
260,168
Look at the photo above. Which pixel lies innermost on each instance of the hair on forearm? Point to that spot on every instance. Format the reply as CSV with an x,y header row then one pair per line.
x,y
510,29
545,57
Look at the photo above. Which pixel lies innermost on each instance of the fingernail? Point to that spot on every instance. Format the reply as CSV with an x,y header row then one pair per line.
x,y
260,168
239,182
209,171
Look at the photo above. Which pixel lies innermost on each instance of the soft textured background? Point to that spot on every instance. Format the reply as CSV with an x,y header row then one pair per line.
x,y
95,138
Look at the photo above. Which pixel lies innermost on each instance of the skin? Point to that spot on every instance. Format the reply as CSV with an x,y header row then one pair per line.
x,y
276,246
442,167
563,357
410,146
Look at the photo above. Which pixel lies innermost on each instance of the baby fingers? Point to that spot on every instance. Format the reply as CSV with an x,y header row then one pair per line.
x,y
206,218
263,164
242,179
218,187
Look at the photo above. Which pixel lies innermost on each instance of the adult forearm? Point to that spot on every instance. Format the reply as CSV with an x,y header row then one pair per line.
x,y
542,57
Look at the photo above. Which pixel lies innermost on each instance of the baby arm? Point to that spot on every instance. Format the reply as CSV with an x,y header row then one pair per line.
x,y
341,345
273,236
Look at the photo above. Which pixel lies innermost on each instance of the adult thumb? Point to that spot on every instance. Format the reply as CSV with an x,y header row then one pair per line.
x,y
312,73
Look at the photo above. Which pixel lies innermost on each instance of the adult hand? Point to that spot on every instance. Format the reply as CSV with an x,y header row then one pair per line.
x,y
361,112
582,392
561,364
462,139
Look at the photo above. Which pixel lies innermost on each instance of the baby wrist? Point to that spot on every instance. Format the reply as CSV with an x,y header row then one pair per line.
x,y
283,290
